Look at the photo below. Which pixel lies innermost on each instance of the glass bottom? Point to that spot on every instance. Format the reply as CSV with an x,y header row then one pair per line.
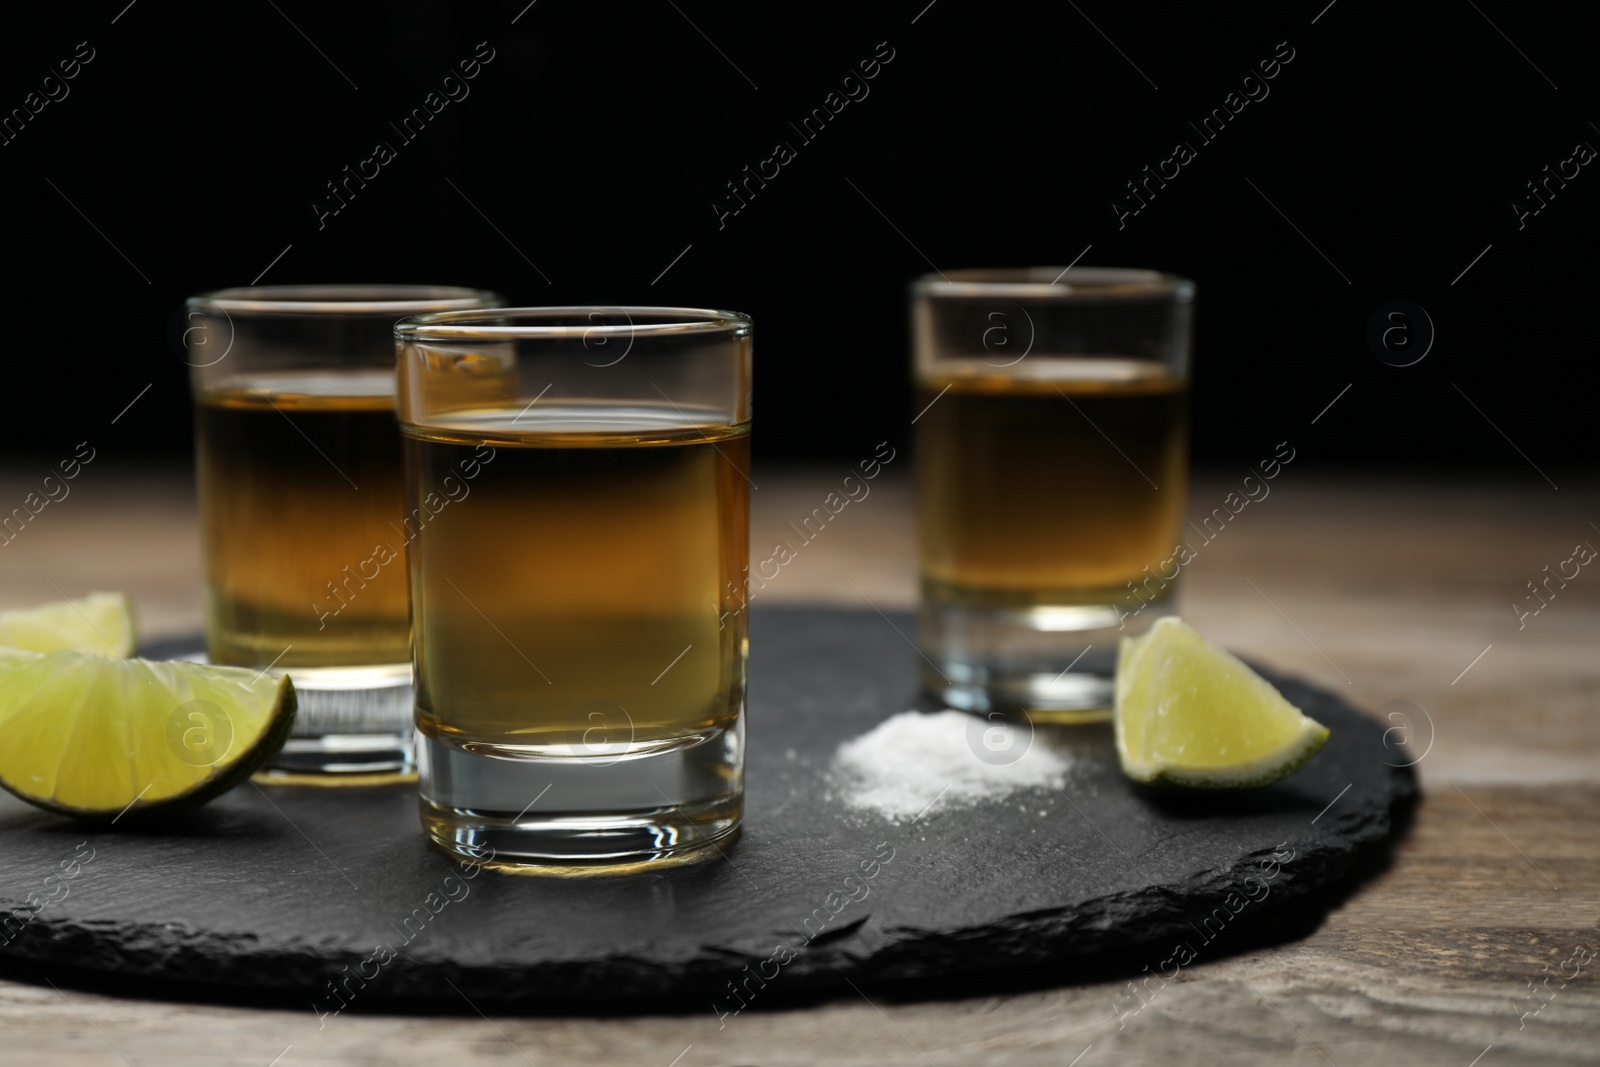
x,y
353,727
1049,663
627,804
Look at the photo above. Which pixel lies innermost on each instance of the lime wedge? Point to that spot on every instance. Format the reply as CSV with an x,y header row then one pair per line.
x,y
90,736
1191,714
100,623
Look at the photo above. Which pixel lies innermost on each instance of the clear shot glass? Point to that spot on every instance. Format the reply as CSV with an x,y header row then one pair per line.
x,y
577,523
298,457
1052,462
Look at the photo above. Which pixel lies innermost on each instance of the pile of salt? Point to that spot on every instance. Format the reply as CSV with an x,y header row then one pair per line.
x,y
910,760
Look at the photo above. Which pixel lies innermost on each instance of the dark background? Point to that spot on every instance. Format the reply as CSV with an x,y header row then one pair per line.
x,y
595,141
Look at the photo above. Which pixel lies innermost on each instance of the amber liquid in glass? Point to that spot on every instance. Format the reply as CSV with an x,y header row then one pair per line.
x,y
301,501
577,588
1037,491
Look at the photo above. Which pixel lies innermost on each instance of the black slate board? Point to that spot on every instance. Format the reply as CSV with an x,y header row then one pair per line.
x,y
289,893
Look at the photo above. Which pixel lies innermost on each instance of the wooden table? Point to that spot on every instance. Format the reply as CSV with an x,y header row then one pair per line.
x,y
1385,590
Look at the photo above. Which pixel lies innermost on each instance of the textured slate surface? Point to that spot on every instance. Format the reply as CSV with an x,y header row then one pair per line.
x,y
277,893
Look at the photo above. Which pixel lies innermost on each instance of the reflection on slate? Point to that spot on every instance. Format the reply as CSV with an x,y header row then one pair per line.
x,y
331,896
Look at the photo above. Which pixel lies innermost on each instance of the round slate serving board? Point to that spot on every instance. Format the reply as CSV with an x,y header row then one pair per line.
x,y
330,896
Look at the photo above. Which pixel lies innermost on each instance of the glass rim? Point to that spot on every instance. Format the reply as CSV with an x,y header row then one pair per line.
x,y
1054,283
471,325
342,299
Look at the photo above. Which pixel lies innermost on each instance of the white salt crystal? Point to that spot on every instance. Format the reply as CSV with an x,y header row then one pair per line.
x,y
910,760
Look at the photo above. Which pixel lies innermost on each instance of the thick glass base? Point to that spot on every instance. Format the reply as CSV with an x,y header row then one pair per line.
x,y
354,724
605,806
1052,663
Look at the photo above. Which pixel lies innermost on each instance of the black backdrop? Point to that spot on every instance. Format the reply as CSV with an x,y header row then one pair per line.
x,y
585,160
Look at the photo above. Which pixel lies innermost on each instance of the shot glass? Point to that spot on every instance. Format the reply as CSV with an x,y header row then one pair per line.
x,y
578,531
298,457
1052,460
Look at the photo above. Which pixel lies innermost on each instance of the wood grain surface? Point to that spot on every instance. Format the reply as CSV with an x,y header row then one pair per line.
x,y
1478,944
